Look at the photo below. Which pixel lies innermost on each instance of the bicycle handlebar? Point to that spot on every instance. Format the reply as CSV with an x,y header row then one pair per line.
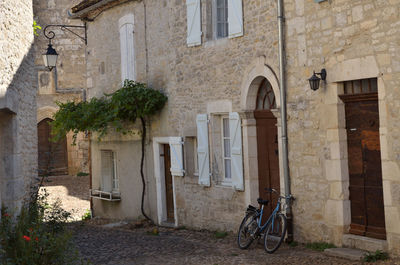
x,y
271,190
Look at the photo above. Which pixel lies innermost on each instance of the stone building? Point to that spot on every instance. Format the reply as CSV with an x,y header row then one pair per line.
x,y
66,82
218,143
18,144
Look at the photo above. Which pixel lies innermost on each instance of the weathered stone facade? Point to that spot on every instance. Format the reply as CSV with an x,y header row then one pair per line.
x,y
351,39
67,81
18,144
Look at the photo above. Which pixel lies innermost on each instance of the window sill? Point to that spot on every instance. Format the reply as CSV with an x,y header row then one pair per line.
x,y
216,42
224,184
106,196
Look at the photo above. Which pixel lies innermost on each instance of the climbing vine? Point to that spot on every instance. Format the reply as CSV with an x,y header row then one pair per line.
x,y
133,101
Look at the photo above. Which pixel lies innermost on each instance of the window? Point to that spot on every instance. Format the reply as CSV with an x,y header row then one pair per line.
x,y
126,34
221,18
109,178
361,86
191,168
226,152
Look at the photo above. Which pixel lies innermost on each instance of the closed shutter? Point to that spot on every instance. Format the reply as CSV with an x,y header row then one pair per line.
x,y
127,52
175,144
235,18
193,22
107,170
235,130
202,150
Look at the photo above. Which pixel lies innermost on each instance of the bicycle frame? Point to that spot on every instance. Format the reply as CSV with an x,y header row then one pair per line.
x,y
273,214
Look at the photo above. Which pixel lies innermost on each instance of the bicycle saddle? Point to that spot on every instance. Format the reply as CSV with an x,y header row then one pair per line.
x,y
261,201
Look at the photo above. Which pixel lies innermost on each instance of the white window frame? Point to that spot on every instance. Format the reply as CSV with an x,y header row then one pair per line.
x,y
215,20
114,179
224,179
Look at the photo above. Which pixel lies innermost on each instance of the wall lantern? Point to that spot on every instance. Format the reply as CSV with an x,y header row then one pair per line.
x,y
50,57
314,79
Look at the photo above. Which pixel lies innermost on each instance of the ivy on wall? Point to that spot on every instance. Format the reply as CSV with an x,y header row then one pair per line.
x,y
134,100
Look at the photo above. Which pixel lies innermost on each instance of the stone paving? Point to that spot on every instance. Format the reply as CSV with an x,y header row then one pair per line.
x,y
130,245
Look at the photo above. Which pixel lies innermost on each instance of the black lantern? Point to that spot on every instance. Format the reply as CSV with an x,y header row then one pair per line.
x,y
314,79
50,57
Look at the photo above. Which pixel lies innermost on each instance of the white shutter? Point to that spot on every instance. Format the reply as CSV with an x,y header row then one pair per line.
x,y
235,18
202,150
235,130
175,144
127,52
193,22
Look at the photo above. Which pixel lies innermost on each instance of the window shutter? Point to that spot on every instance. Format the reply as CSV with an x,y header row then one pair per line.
x,y
202,150
107,170
235,18
127,52
193,23
235,129
175,145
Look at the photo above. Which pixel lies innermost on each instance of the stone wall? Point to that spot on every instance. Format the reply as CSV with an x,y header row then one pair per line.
x,y
18,146
67,81
195,79
352,40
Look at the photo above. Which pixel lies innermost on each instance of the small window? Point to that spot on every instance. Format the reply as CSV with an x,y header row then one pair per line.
x,y
190,152
109,178
226,140
221,18
361,86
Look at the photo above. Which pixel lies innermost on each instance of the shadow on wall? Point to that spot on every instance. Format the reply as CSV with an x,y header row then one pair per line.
x,y
18,134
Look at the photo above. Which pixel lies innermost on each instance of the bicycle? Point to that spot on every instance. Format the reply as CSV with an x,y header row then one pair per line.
x,y
275,227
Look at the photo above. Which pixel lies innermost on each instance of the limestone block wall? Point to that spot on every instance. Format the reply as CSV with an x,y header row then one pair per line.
x,y
67,81
196,80
352,40
18,146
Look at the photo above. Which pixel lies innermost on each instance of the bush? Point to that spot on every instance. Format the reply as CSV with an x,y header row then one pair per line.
x,y
377,255
37,235
87,215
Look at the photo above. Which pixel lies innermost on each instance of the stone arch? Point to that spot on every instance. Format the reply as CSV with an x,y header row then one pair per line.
x,y
45,112
257,71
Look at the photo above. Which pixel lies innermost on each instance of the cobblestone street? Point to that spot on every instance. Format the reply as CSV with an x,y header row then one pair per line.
x,y
128,245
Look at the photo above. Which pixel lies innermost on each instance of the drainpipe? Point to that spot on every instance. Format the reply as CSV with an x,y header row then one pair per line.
x,y
286,175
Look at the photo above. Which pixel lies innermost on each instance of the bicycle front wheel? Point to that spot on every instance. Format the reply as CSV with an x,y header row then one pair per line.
x,y
275,233
247,230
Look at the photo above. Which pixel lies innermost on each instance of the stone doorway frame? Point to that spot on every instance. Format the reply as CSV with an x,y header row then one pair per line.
x,y
159,175
256,72
336,167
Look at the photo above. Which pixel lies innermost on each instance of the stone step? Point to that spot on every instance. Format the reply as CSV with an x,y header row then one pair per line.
x,y
346,253
364,243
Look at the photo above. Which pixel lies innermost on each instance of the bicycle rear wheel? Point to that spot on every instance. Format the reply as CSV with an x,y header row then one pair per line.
x,y
247,230
275,233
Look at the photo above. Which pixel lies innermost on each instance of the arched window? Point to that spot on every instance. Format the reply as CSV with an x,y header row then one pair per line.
x,y
265,96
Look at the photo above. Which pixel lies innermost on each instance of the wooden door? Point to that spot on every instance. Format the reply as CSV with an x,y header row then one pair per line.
x,y
366,193
169,192
268,156
52,157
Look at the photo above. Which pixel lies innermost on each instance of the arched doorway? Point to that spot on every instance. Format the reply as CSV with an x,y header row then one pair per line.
x,y
52,157
267,143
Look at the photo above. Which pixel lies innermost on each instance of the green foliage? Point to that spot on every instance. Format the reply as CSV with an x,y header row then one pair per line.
x,y
82,174
378,255
219,234
36,27
87,215
134,100
37,235
293,244
319,246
